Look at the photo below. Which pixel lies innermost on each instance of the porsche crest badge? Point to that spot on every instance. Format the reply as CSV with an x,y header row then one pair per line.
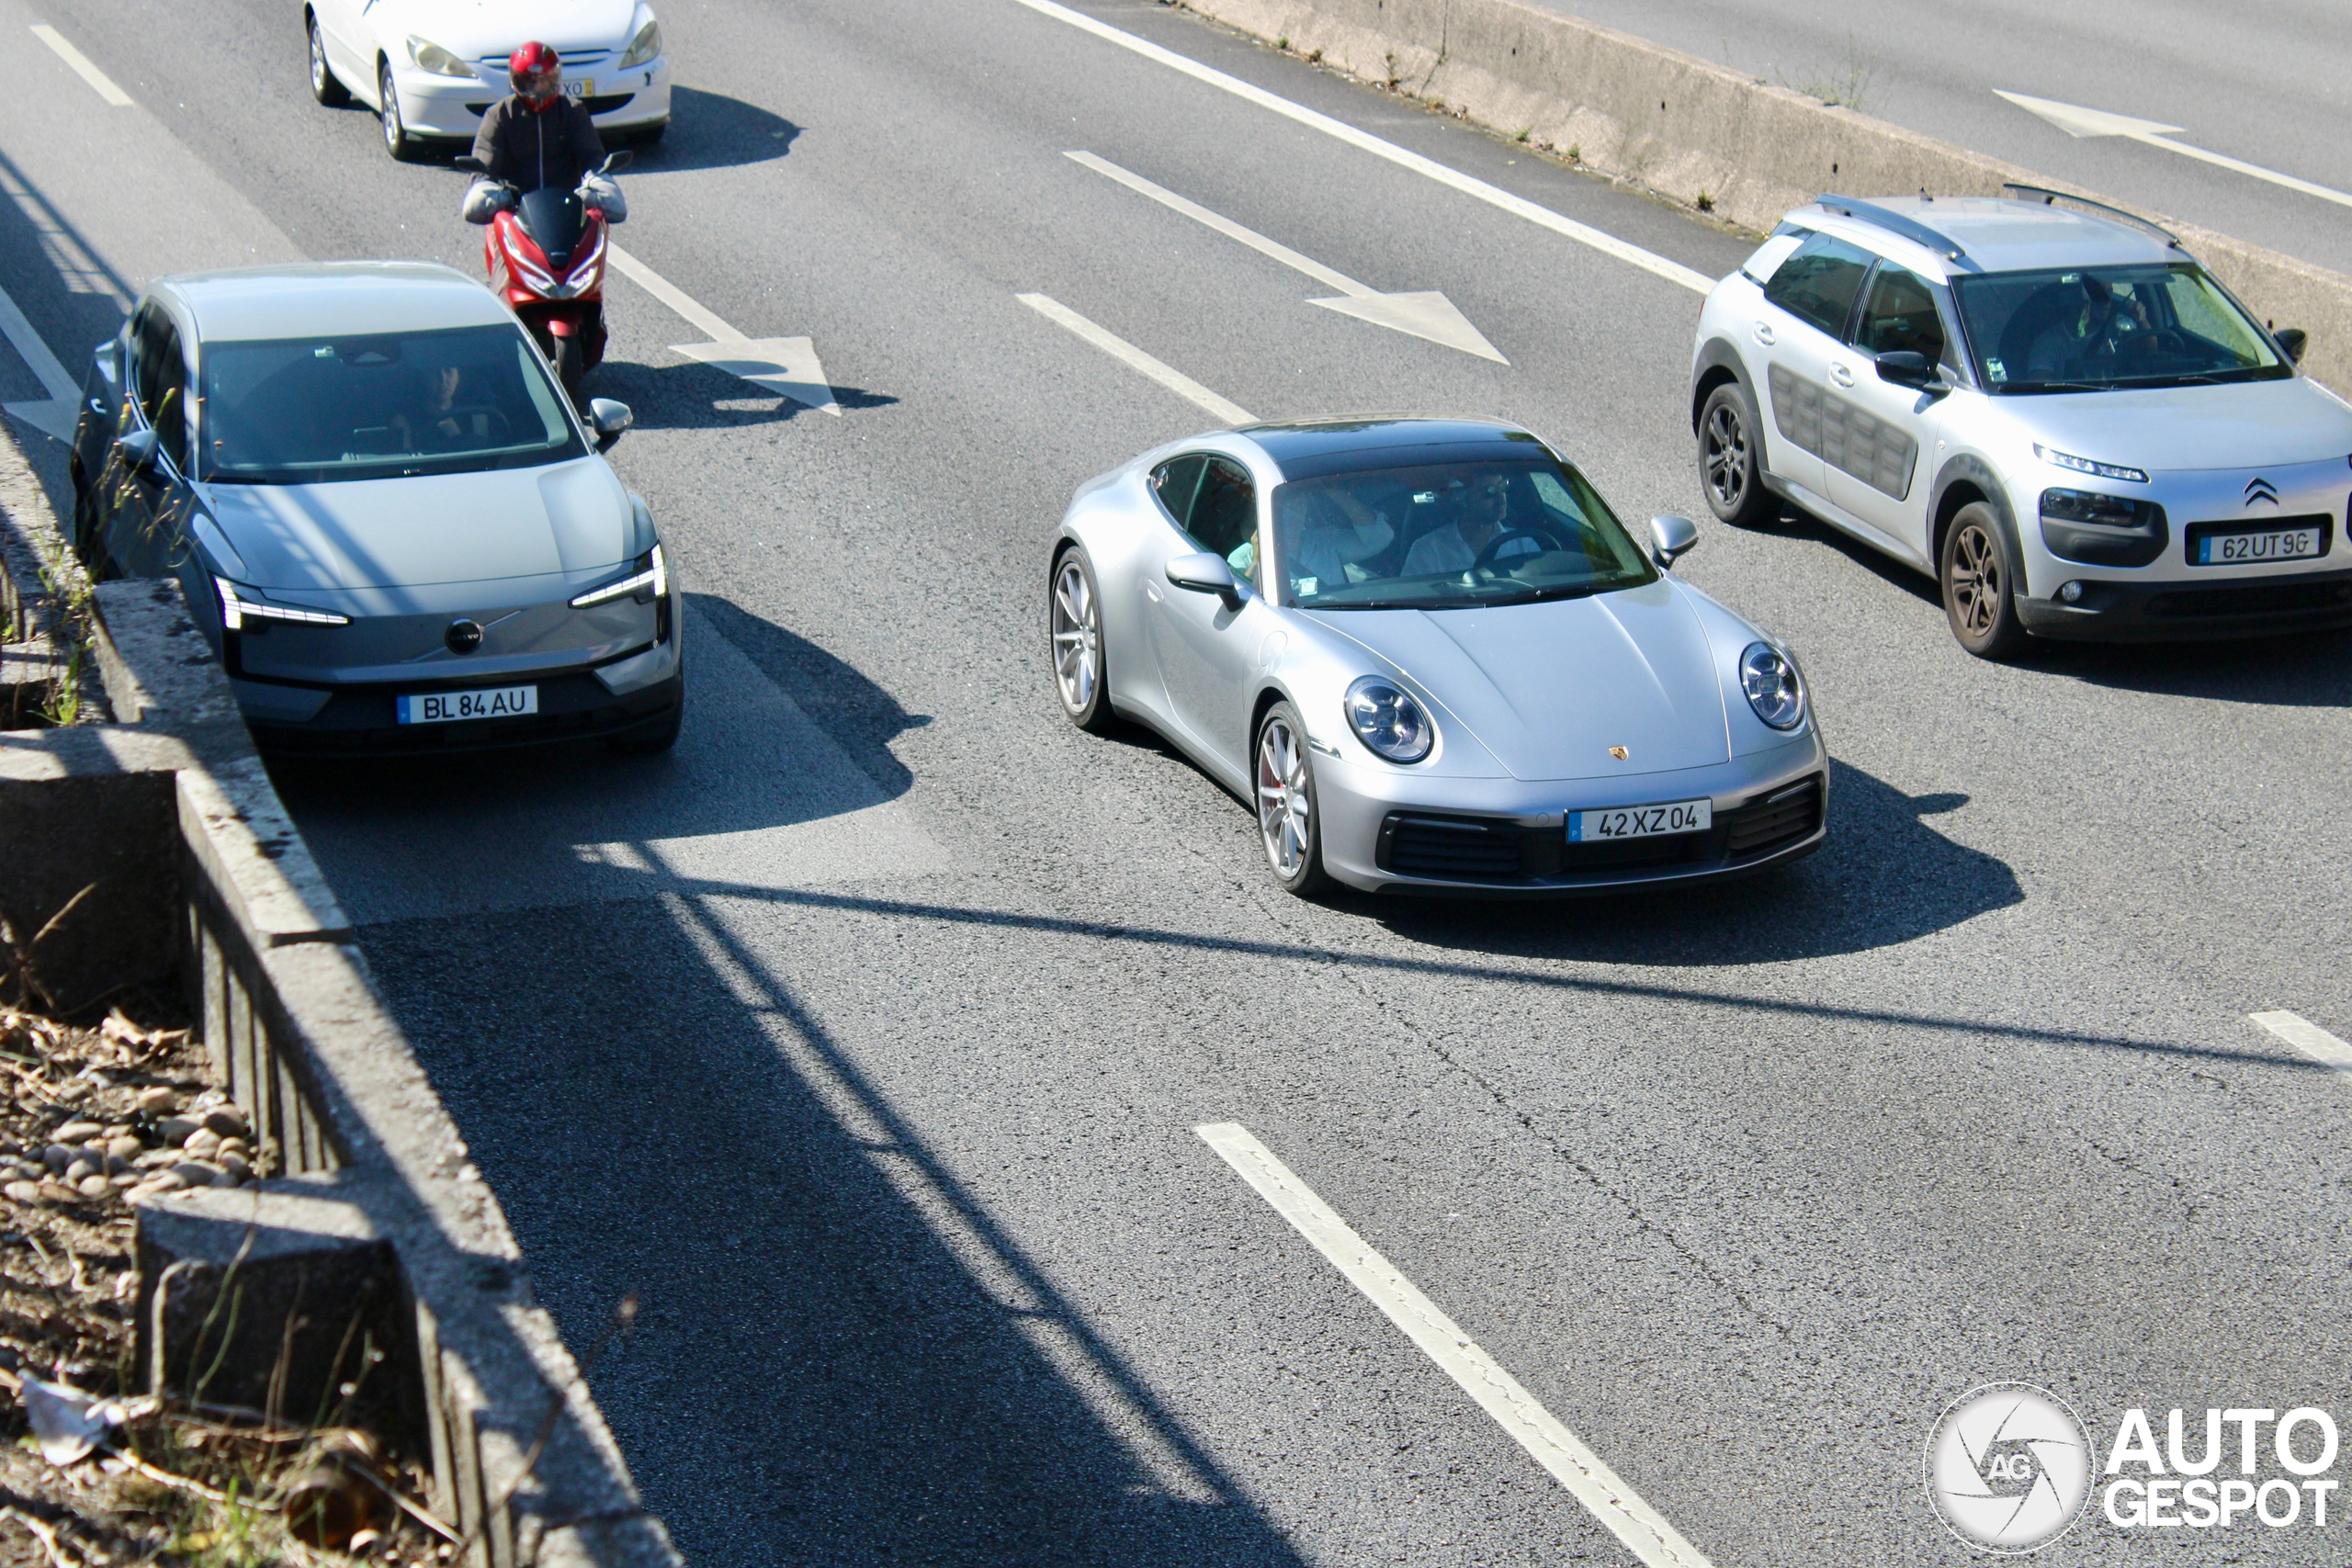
x,y
1618,752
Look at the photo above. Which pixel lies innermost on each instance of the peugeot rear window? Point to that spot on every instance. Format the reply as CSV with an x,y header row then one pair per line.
x,y
304,411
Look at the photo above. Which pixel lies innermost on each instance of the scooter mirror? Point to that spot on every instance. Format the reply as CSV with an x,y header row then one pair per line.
x,y
468,161
615,161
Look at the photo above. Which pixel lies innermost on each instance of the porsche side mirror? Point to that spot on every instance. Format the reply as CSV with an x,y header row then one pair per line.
x,y
2293,341
1670,537
1205,574
615,161
137,452
608,418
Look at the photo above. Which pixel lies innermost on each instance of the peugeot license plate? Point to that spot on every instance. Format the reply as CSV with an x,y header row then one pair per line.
x,y
2271,544
1641,821
581,87
450,707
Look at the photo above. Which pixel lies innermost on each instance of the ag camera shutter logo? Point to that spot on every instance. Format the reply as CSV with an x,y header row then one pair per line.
x,y
2008,1467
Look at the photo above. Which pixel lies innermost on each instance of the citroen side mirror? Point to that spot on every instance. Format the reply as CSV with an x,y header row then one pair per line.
x,y
1907,367
1206,574
1671,538
608,418
139,453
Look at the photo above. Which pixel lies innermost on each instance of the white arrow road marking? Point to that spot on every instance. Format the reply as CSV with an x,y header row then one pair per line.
x,y
2307,1037
785,366
1127,354
82,67
57,415
1600,1489
2078,121
1468,185
1424,315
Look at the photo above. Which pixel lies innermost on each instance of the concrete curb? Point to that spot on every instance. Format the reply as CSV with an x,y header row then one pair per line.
x,y
1687,126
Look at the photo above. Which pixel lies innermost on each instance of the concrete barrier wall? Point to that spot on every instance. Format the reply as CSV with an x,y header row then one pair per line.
x,y
1687,128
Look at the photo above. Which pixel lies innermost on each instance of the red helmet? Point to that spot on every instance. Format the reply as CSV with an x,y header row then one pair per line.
x,y
537,73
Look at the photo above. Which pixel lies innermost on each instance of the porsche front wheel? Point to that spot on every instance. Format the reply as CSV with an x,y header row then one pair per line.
x,y
1074,634
1287,819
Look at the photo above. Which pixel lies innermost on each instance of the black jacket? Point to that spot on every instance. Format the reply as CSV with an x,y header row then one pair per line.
x,y
530,149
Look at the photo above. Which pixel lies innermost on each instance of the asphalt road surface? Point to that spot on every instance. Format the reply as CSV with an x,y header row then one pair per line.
x,y
2269,84
865,1035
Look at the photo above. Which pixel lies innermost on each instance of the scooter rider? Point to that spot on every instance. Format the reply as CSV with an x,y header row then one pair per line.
x,y
537,138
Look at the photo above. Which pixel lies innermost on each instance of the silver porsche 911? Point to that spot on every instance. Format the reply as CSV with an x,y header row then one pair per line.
x,y
389,522
1432,657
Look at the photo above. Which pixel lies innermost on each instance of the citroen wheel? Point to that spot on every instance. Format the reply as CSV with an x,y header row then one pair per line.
x,y
1074,634
1980,585
1287,819
325,85
1730,460
396,137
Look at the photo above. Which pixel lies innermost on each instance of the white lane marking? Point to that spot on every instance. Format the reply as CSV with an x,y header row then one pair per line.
x,y
2078,121
82,66
787,367
1600,1489
1468,185
2307,1037
1423,314
1127,354
57,415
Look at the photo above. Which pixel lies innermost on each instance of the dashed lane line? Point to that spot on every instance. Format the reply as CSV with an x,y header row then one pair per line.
x,y
1468,185
2307,1037
1127,354
1600,1489
82,66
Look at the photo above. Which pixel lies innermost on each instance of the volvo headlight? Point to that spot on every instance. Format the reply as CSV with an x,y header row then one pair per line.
x,y
644,46
650,573
1774,688
1387,719
236,610
431,56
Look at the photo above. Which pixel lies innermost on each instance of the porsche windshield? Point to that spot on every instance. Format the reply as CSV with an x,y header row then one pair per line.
x,y
1449,535
2096,329
304,411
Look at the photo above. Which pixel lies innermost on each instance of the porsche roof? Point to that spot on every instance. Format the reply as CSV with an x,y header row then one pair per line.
x,y
331,299
1305,449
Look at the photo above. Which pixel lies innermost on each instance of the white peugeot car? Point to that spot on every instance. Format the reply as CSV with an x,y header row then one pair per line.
x,y
2058,414
431,69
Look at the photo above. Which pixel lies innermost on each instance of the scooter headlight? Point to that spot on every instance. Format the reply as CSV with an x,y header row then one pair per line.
x,y
431,56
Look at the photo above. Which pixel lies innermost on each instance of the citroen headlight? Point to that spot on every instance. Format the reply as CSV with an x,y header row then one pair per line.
x,y
431,56
1774,688
1387,719
2058,459
644,46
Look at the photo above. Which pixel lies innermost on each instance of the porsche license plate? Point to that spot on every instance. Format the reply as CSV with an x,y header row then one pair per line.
x,y
451,707
2271,544
1641,821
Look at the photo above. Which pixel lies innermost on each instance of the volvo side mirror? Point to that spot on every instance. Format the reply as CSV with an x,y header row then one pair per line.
x,y
608,418
2293,341
138,453
1671,538
1205,574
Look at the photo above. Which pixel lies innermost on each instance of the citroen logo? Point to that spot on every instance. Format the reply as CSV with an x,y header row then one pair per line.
x,y
1618,752
2260,489
463,636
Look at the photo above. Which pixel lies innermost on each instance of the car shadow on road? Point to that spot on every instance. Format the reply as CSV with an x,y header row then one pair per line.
x,y
711,130
841,1357
1884,877
693,396
2312,670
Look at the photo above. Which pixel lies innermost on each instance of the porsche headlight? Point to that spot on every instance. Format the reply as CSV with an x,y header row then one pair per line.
x,y
1388,721
644,46
1774,688
431,56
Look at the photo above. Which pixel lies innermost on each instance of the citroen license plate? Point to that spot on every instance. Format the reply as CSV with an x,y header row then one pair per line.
x,y
452,708
1641,821
2246,549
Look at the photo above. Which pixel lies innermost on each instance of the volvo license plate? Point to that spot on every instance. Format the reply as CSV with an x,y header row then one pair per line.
x,y
2250,549
1641,821
452,707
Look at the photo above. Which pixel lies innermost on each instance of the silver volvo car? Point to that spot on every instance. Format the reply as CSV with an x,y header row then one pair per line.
x,y
1433,659
386,516
2058,414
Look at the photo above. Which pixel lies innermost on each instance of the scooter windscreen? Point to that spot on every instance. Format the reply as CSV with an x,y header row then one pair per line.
x,y
552,218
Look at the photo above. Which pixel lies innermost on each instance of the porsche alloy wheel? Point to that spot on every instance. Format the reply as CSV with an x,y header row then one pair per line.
x,y
1074,624
1286,815
1979,589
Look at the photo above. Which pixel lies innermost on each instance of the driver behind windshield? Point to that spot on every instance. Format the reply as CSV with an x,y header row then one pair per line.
x,y
2103,324
1483,513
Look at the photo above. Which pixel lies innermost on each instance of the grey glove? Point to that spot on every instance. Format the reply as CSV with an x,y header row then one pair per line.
x,y
485,199
600,192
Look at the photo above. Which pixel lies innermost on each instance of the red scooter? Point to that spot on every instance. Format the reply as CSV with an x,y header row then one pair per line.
x,y
546,255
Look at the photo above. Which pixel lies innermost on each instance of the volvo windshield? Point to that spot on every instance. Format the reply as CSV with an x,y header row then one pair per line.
x,y
1449,535
304,411
2098,329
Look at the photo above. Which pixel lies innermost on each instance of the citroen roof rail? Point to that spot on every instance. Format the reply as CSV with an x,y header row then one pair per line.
x,y
1894,223
2049,196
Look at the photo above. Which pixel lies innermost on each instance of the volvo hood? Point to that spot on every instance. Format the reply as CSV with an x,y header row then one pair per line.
x,y
476,527
1549,688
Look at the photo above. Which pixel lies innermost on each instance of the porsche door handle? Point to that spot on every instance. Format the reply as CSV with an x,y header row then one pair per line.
x,y
1840,375
1764,334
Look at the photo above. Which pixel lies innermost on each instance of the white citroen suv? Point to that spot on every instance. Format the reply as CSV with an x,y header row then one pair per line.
x,y
2057,413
